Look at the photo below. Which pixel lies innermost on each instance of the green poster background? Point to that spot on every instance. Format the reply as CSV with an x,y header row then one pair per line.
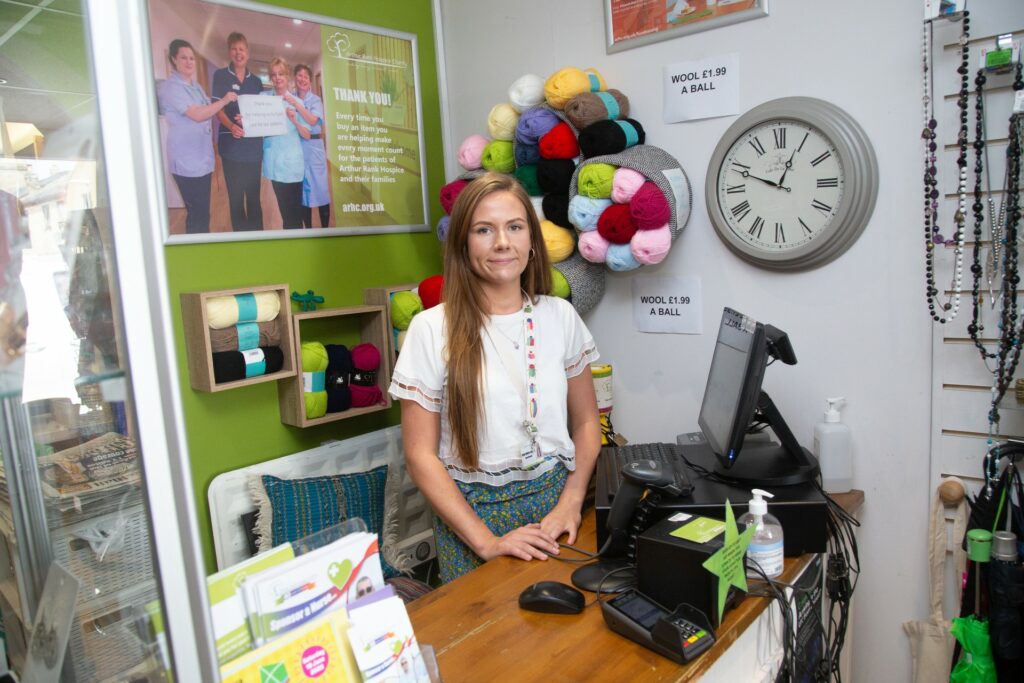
x,y
371,128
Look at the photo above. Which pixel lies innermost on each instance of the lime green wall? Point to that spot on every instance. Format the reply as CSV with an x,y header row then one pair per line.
x,y
240,427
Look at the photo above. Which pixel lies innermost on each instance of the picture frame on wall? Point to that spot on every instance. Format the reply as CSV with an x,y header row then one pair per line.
x,y
633,23
279,124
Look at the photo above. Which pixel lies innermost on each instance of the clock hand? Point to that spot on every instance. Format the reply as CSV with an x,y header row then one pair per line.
x,y
747,174
789,165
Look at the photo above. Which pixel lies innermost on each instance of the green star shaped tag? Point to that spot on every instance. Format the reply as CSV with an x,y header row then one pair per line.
x,y
727,564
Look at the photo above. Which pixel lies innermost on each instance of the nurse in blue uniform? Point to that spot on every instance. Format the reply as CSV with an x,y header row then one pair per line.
x,y
315,190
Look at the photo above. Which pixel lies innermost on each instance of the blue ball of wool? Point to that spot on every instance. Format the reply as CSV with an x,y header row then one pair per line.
x,y
526,154
620,258
442,228
584,211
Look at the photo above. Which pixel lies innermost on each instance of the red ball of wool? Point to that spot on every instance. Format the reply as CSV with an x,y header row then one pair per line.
x,y
559,143
649,207
365,356
450,192
430,291
616,225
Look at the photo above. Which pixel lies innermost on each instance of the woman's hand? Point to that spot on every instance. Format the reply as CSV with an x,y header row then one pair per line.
x,y
290,99
526,543
230,96
563,518
290,113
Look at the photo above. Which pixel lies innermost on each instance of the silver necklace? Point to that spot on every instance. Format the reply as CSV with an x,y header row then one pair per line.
x,y
512,340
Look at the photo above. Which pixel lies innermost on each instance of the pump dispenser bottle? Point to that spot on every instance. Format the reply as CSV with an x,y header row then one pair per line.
x,y
766,547
832,446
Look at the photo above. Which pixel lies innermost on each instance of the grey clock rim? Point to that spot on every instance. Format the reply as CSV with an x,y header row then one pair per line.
x,y
860,192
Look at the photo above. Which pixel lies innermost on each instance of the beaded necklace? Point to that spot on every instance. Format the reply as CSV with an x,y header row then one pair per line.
x,y
932,234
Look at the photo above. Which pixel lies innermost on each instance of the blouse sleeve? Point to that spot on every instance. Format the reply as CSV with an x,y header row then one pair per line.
x,y
580,350
172,98
420,372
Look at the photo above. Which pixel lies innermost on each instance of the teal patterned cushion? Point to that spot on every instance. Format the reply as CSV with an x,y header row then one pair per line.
x,y
299,507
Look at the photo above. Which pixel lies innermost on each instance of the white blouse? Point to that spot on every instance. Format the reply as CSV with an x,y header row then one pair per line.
x,y
564,348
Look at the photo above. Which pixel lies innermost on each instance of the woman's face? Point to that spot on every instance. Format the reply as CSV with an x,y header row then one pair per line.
x,y
239,53
185,62
498,244
302,80
279,78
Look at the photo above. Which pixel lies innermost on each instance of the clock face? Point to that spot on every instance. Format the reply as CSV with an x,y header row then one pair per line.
x,y
779,186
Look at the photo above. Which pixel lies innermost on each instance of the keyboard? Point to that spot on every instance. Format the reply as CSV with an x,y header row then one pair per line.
x,y
613,458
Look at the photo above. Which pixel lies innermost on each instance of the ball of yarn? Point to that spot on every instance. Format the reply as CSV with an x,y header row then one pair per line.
x,y
651,246
593,247
616,224
400,339
554,175
588,108
339,367
559,241
316,404
450,192
256,307
625,183
556,209
526,91
363,397
314,364
610,137
498,157
502,120
583,212
430,291
538,207
365,356
404,305
534,124
442,228
595,180
470,151
559,143
525,154
314,357
559,285
620,258
566,83
365,391
527,177
649,207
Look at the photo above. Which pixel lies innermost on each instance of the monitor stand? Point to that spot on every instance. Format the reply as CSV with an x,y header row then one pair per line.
x,y
771,465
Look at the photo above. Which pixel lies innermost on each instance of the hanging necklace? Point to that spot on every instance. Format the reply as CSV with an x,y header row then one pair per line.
x,y
512,340
976,328
933,237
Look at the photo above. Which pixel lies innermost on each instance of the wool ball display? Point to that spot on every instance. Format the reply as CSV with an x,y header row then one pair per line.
x,y
559,241
498,157
559,285
620,258
651,246
525,92
595,180
525,154
556,209
566,83
593,247
450,192
649,207
588,108
559,143
583,212
616,224
535,124
625,183
442,228
470,151
527,177
611,137
404,305
554,175
431,290
501,121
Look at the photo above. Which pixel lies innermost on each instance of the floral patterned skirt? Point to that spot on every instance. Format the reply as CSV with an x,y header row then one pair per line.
x,y
502,509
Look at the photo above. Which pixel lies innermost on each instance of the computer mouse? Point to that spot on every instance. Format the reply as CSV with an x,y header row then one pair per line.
x,y
552,597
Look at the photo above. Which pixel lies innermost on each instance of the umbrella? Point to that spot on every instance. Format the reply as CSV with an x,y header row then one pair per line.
x,y
975,665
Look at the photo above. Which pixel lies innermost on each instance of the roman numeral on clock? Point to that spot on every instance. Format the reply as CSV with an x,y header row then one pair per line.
x,y
780,138
828,182
741,210
740,168
821,206
735,189
820,158
758,147
804,226
757,227
780,234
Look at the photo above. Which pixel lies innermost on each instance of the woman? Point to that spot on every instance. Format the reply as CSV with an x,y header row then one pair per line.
x,y
240,157
315,192
187,111
283,163
489,381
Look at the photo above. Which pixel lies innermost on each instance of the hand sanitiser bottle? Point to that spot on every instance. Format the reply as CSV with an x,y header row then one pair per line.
x,y
832,446
766,544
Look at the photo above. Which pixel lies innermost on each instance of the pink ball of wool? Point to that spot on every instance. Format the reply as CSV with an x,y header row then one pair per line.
x,y
625,183
470,151
365,356
649,207
450,192
593,247
651,246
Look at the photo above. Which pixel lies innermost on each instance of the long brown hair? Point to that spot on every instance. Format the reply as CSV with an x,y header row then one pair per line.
x,y
465,308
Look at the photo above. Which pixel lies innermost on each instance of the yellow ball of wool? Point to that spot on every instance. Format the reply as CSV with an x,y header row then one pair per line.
x,y
501,122
559,241
566,83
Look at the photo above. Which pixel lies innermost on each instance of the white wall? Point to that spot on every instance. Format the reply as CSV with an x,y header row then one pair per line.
x,y
859,325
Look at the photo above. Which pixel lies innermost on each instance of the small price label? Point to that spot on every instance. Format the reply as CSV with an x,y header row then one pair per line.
x,y
668,304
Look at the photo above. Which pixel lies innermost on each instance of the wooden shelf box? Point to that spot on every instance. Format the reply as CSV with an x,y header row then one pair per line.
x,y
381,296
200,350
349,326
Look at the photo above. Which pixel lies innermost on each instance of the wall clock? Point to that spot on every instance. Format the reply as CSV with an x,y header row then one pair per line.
x,y
792,184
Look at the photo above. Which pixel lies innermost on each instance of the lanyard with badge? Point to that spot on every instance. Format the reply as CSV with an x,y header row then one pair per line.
x,y
530,452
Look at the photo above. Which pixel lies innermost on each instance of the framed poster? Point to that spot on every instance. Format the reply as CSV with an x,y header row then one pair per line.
x,y
276,123
632,23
